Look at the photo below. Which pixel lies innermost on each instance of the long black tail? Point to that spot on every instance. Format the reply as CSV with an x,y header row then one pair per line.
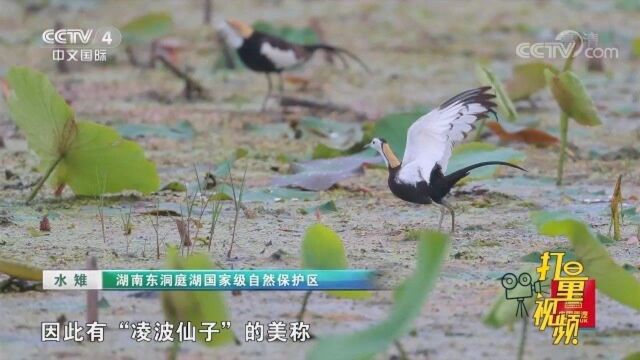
x,y
339,52
445,183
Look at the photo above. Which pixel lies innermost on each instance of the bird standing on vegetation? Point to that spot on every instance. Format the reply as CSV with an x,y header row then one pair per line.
x,y
268,54
420,178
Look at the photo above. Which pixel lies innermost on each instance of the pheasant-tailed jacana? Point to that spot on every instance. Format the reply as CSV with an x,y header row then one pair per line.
x,y
268,54
420,178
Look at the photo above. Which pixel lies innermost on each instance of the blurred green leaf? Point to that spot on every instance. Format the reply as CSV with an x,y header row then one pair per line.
x,y
356,144
611,279
90,157
393,128
505,106
572,97
329,206
220,196
541,217
635,47
35,232
147,27
41,113
409,299
632,356
99,161
527,79
196,306
475,152
175,186
322,151
323,249
304,35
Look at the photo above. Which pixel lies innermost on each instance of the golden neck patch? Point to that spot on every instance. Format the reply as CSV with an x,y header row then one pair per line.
x,y
241,28
391,157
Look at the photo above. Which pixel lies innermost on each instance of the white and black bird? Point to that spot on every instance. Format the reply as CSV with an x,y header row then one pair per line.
x,y
420,178
269,54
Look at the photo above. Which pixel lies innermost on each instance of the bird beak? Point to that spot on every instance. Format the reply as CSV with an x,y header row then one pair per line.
x,y
366,146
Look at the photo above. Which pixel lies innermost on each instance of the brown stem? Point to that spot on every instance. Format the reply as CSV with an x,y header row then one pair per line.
x,y
564,132
174,350
523,339
157,228
401,351
35,190
226,52
291,101
61,65
92,295
133,60
207,11
303,309
569,62
237,201
564,118
191,85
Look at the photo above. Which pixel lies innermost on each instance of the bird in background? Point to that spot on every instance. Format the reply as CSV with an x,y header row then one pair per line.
x,y
269,54
419,178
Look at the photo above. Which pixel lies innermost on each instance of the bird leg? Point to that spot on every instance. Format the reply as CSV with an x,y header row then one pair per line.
x,y
264,102
442,210
453,215
280,85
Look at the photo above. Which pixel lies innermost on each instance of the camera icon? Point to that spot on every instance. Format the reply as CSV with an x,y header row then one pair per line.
x,y
520,287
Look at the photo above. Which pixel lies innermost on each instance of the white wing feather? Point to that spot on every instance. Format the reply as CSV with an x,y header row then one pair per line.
x,y
281,58
431,138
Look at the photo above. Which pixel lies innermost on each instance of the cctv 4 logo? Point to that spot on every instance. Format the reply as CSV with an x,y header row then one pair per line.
x,y
71,36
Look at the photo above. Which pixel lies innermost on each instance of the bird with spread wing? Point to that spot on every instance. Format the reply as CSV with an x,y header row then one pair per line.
x,y
419,178
265,53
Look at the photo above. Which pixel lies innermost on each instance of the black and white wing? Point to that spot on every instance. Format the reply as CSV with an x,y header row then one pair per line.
x,y
282,54
431,138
